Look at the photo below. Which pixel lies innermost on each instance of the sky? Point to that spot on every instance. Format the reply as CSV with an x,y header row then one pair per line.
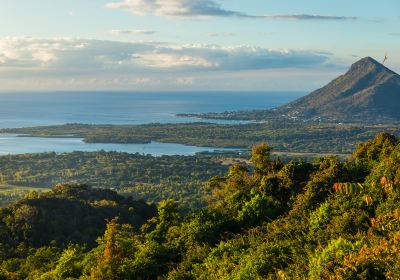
x,y
191,45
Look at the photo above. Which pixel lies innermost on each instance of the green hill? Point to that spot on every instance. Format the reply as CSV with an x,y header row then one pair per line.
x,y
68,213
328,219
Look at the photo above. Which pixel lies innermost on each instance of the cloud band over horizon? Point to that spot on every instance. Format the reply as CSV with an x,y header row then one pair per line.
x,y
56,58
203,8
85,54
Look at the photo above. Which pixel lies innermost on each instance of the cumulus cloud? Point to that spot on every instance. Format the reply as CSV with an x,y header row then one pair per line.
x,y
62,53
79,63
200,8
87,55
132,32
184,8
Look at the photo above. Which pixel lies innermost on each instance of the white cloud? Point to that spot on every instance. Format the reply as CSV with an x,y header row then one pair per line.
x,y
201,8
173,60
87,55
132,32
78,62
173,8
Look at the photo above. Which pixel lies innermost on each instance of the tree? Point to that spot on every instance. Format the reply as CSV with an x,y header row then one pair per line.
x,y
168,215
108,261
260,157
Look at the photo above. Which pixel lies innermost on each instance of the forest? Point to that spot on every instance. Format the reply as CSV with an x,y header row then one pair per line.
x,y
283,134
325,219
153,179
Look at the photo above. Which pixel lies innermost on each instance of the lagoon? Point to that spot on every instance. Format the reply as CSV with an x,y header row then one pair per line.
x,y
12,144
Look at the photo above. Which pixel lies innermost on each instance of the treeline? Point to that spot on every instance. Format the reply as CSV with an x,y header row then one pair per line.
x,y
328,219
141,176
283,135
247,115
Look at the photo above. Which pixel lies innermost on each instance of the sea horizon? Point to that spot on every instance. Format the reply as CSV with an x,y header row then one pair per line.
x,y
117,107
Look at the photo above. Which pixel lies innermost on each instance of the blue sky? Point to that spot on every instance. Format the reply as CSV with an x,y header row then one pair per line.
x,y
190,44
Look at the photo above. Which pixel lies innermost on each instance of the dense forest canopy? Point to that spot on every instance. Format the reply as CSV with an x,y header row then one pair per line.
x,y
142,176
327,219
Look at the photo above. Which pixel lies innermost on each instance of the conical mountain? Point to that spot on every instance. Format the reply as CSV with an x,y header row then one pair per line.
x,y
367,92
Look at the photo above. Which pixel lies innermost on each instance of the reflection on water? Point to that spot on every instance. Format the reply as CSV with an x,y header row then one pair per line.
x,y
11,144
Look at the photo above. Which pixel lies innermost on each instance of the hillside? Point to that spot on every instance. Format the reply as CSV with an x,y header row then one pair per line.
x,y
327,219
69,213
141,176
367,92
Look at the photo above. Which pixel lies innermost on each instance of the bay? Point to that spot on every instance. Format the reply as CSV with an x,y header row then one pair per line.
x,y
28,109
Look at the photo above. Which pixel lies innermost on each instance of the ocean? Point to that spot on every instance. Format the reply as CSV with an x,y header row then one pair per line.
x,y
29,109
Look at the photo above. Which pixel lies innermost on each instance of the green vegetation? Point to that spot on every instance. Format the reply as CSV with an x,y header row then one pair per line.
x,y
246,115
283,135
10,194
68,213
327,219
141,176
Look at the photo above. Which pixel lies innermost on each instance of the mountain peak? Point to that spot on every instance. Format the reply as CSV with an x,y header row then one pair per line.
x,y
368,91
367,64
367,60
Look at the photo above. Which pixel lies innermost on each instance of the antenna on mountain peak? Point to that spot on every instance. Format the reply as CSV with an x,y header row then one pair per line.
x,y
385,59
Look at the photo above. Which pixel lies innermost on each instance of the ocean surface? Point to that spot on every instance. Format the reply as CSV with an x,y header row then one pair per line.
x,y
51,108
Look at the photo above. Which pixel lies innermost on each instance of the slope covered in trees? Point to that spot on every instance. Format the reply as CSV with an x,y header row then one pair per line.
x,y
140,176
328,219
68,213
